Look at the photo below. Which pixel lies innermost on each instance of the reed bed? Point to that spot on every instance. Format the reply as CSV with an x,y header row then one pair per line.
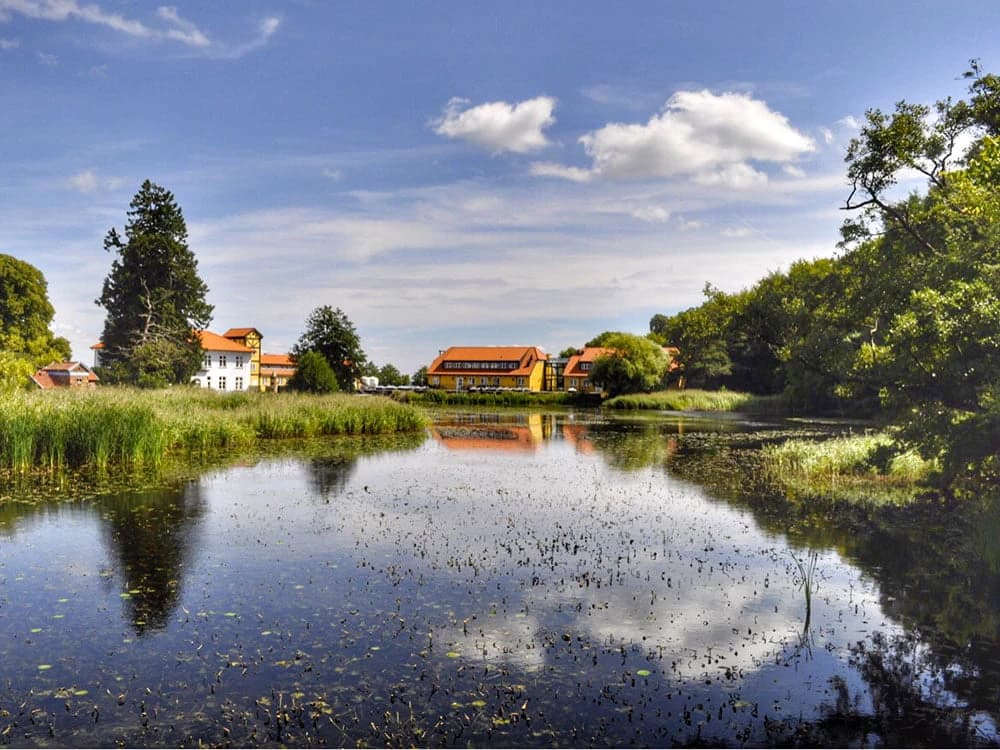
x,y
693,400
132,429
818,467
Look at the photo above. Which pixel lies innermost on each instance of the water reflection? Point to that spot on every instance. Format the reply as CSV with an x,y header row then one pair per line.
x,y
151,535
520,579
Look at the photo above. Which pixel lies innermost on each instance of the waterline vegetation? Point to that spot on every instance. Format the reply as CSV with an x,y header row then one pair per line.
x,y
133,429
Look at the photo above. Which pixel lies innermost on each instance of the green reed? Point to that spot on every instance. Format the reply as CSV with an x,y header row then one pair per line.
x,y
126,428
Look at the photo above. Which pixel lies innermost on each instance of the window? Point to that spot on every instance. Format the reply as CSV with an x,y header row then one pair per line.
x,y
482,381
239,384
208,361
208,382
222,383
239,362
222,360
435,380
520,382
585,365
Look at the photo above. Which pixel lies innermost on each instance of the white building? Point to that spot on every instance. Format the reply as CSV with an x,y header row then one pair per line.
x,y
225,366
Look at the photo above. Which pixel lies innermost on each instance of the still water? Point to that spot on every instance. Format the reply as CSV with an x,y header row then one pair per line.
x,y
525,580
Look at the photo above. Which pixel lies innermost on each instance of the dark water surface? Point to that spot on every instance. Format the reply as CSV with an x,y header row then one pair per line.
x,y
525,580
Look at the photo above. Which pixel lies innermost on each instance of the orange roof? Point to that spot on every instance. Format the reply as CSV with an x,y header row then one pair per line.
x,y
590,353
64,367
215,343
98,345
525,356
43,380
277,360
236,333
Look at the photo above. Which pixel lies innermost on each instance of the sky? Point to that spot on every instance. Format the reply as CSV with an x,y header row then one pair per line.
x,y
453,173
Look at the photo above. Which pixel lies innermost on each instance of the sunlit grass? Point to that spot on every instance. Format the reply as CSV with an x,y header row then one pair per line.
x,y
849,462
695,400
57,430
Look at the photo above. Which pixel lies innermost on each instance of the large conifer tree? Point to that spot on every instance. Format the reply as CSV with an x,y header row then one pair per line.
x,y
153,295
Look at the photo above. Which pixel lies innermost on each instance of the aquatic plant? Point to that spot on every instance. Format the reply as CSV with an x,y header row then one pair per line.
x,y
697,400
816,467
134,428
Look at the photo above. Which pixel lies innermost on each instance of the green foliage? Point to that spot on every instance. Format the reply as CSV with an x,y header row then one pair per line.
x,y
331,333
419,378
25,317
389,375
15,372
699,335
313,374
634,364
153,295
126,428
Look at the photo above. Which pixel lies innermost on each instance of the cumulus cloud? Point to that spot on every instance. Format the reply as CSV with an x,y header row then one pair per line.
x,y
710,137
651,214
499,126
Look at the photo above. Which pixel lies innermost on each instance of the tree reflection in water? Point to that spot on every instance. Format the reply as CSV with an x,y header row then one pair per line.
x,y
152,534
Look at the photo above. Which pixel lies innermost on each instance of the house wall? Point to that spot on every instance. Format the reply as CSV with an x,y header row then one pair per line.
x,y
224,371
532,381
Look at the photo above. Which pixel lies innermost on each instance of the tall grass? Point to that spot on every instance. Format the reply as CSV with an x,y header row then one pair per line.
x,y
696,400
134,429
854,461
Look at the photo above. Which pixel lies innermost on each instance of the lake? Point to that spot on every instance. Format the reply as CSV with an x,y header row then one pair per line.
x,y
513,579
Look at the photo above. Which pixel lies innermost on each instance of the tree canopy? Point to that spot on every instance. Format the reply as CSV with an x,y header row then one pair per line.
x,y
632,364
330,332
25,319
905,322
153,295
313,374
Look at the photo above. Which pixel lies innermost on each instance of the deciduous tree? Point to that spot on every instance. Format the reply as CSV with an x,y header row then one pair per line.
x,y
331,333
634,364
26,316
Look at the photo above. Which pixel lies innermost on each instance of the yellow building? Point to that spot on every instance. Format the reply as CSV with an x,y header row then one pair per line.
x,y
250,338
462,368
576,375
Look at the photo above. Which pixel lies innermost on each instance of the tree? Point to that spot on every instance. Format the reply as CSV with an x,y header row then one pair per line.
x,y
634,364
924,271
390,375
419,378
699,333
153,296
25,316
332,334
313,374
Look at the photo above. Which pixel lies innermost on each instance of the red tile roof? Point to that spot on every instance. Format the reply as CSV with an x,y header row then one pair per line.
x,y
234,333
524,356
277,360
215,343
43,380
590,353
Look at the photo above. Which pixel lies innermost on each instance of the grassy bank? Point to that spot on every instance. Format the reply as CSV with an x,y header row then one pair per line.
x,y
697,400
861,465
435,397
130,428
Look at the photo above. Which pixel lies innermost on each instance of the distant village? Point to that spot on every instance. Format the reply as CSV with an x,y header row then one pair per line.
x,y
234,361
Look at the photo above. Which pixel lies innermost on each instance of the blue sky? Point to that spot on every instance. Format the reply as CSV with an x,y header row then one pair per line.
x,y
453,173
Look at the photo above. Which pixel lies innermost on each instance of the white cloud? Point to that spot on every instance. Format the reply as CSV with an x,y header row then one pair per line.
x,y
48,59
792,171
88,182
499,126
9,44
551,169
711,137
735,176
827,135
737,233
172,26
651,214
850,122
